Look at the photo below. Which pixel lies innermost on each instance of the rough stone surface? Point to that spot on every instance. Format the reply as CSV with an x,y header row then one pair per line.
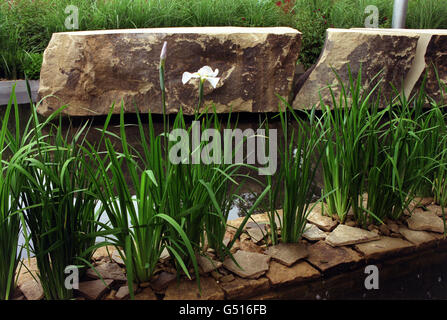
x,y
436,209
383,247
260,218
253,264
425,221
122,293
208,264
245,288
188,290
313,233
251,225
419,202
279,274
417,237
32,290
394,227
108,270
372,51
29,271
164,256
116,257
288,253
146,294
326,257
227,278
384,229
103,252
323,222
431,49
344,235
248,245
93,290
256,234
162,280
89,70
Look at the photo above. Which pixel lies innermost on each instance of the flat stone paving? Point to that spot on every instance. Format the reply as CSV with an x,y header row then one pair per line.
x,y
271,272
323,222
325,257
417,237
425,221
288,253
313,233
383,247
251,265
344,235
279,274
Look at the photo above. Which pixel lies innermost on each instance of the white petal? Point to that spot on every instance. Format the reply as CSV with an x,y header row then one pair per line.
x,y
163,51
186,77
215,73
205,71
213,81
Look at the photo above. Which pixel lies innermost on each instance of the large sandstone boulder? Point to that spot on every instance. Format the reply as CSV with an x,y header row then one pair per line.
x,y
90,70
372,51
431,58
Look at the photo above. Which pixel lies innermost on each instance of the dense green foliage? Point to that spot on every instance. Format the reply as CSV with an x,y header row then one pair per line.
x,y
26,26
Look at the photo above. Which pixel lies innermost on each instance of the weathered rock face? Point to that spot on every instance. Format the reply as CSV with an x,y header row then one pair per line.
x,y
372,51
90,70
431,57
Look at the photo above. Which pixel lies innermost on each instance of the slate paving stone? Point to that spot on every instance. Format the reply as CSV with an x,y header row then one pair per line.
x,y
436,209
344,235
207,264
29,271
256,234
385,246
122,293
288,253
108,270
425,221
313,233
325,257
417,237
116,257
32,290
253,264
321,221
279,274
93,290
162,280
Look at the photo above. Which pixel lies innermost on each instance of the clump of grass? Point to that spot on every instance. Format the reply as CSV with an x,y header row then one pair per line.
x,y
347,122
139,224
387,154
10,184
56,199
406,157
299,163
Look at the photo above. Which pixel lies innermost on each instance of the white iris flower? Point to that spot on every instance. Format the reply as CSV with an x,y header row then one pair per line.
x,y
205,73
